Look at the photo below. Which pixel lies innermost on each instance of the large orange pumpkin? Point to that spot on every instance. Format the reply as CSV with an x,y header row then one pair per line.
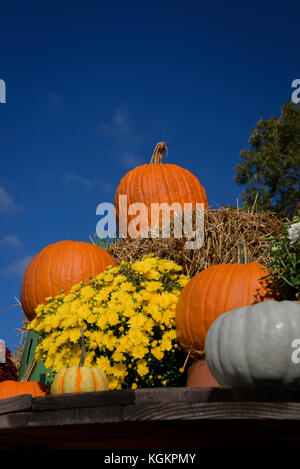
x,y
158,182
15,388
212,292
57,267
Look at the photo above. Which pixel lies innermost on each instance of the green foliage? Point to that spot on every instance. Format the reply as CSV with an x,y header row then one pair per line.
x,y
284,265
103,243
271,167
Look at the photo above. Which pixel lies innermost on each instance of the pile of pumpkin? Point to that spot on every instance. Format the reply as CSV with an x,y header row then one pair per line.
x,y
221,313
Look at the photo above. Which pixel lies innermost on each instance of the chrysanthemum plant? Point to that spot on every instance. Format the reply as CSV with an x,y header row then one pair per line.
x,y
284,265
128,317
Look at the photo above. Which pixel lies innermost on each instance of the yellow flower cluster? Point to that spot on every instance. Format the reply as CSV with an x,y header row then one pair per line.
x,y
128,317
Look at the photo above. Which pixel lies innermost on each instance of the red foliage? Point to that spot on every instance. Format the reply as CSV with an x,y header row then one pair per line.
x,y
8,371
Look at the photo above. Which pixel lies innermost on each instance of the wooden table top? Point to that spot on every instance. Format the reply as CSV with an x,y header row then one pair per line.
x,y
152,418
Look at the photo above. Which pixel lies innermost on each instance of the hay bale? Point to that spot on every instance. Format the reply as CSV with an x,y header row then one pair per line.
x,y
224,231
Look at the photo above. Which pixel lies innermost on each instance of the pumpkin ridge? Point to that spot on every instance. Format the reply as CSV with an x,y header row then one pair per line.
x,y
78,380
36,275
188,317
62,254
49,267
245,328
88,265
167,184
218,340
73,253
146,187
227,282
291,327
29,289
174,178
34,285
129,184
130,199
61,381
206,297
96,384
188,187
58,261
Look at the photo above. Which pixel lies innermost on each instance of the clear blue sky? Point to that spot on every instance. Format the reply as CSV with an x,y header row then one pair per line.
x,y
92,87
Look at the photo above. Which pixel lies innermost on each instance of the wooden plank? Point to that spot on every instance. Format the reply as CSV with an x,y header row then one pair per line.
x,y
30,370
213,410
186,394
214,394
155,412
62,417
14,420
84,399
166,395
15,404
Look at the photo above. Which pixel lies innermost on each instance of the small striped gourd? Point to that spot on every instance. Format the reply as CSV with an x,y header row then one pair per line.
x,y
79,378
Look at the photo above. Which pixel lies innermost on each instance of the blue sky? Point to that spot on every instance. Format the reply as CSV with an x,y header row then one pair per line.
x,y
93,86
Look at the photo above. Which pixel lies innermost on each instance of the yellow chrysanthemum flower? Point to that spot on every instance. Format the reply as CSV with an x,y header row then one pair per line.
x,y
157,353
113,318
142,367
137,321
138,351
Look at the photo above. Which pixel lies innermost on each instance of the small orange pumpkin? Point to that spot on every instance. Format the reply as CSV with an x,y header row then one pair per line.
x,y
58,267
158,182
15,388
212,292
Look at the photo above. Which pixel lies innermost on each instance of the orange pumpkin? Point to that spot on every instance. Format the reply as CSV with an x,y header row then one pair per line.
x,y
15,388
199,375
58,267
158,183
212,292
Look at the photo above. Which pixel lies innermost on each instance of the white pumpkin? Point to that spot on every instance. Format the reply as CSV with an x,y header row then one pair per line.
x,y
255,345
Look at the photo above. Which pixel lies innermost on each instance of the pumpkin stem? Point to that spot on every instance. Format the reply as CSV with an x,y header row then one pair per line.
x,y
158,153
83,351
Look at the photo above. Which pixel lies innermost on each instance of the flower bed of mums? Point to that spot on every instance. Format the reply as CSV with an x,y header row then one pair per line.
x,y
128,317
